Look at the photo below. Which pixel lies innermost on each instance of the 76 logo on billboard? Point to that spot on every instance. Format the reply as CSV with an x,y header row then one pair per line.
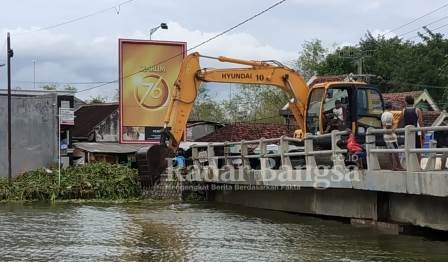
x,y
152,93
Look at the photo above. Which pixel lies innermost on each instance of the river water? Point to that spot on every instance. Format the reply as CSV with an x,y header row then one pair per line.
x,y
193,232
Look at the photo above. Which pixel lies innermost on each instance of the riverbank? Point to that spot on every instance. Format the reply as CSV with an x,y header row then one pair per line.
x,y
98,181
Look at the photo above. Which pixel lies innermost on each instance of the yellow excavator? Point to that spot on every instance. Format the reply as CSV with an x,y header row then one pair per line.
x,y
312,107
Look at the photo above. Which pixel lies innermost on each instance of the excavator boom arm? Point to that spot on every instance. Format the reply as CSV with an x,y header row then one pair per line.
x,y
190,77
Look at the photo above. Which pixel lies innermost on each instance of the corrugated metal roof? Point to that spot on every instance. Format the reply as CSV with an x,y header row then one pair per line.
x,y
116,148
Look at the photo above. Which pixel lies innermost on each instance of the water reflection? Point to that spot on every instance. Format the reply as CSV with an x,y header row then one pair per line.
x,y
193,232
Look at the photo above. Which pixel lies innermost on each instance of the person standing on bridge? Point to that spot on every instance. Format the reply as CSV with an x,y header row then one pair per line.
x,y
390,138
412,116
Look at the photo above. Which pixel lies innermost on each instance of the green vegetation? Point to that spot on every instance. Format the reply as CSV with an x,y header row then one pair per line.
x,y
92,181
97,100
399,65
70,88
254,103
206,108
49,87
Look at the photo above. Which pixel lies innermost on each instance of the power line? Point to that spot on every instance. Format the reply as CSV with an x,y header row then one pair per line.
x,y
195,46
437,28
416,19
432,30
116,7
443,32
59,83
97,86
418,28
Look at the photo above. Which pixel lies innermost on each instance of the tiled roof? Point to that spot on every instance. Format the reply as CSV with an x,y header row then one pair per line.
x,y
397,99
90,115
429,117
247,131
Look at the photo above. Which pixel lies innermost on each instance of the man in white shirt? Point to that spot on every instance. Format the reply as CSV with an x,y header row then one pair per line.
x,y
338,111
390,138
339,114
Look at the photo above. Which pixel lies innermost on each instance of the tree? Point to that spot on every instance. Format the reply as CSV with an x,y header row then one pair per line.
x,y
256,103
206,109
398,64
311,58
97,100
340,62
70,88
49,87
116,96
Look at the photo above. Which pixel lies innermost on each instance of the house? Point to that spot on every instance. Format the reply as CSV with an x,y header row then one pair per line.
x,y
96,123
41,121
96,134
422,99
198,129
247,131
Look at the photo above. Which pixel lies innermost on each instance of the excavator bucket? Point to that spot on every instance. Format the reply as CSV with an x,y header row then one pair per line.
x,y
151,162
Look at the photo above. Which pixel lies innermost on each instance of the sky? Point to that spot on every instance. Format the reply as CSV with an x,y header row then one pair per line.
x,y
87,50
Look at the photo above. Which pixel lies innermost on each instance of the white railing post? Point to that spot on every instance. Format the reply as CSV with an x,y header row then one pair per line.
x,y
244,152
372,158
195,156
227,160
284,147
412,162
212,161
338,158
310,160
263,159
432,157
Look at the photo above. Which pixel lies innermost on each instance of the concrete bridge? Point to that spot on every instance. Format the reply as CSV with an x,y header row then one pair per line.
x,y
294,175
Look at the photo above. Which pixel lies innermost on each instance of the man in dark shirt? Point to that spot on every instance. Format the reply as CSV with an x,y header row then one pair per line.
x,y
412,116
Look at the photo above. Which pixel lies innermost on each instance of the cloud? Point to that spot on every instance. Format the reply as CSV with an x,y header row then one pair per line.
x,y
349,5
61,57
87,50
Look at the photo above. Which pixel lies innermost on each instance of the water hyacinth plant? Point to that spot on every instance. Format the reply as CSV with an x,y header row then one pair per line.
x,y
91,181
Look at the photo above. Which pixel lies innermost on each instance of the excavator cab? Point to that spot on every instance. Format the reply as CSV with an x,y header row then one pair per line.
x,y
359,107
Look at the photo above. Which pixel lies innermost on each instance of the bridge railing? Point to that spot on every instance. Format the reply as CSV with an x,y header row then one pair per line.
x,y
287,151
217,154
413,163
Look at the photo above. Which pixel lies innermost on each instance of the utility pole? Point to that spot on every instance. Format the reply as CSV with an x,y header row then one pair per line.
x,y
359,63
10,54
358,56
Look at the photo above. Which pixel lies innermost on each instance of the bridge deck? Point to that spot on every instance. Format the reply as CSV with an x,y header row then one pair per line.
x,y
425,177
